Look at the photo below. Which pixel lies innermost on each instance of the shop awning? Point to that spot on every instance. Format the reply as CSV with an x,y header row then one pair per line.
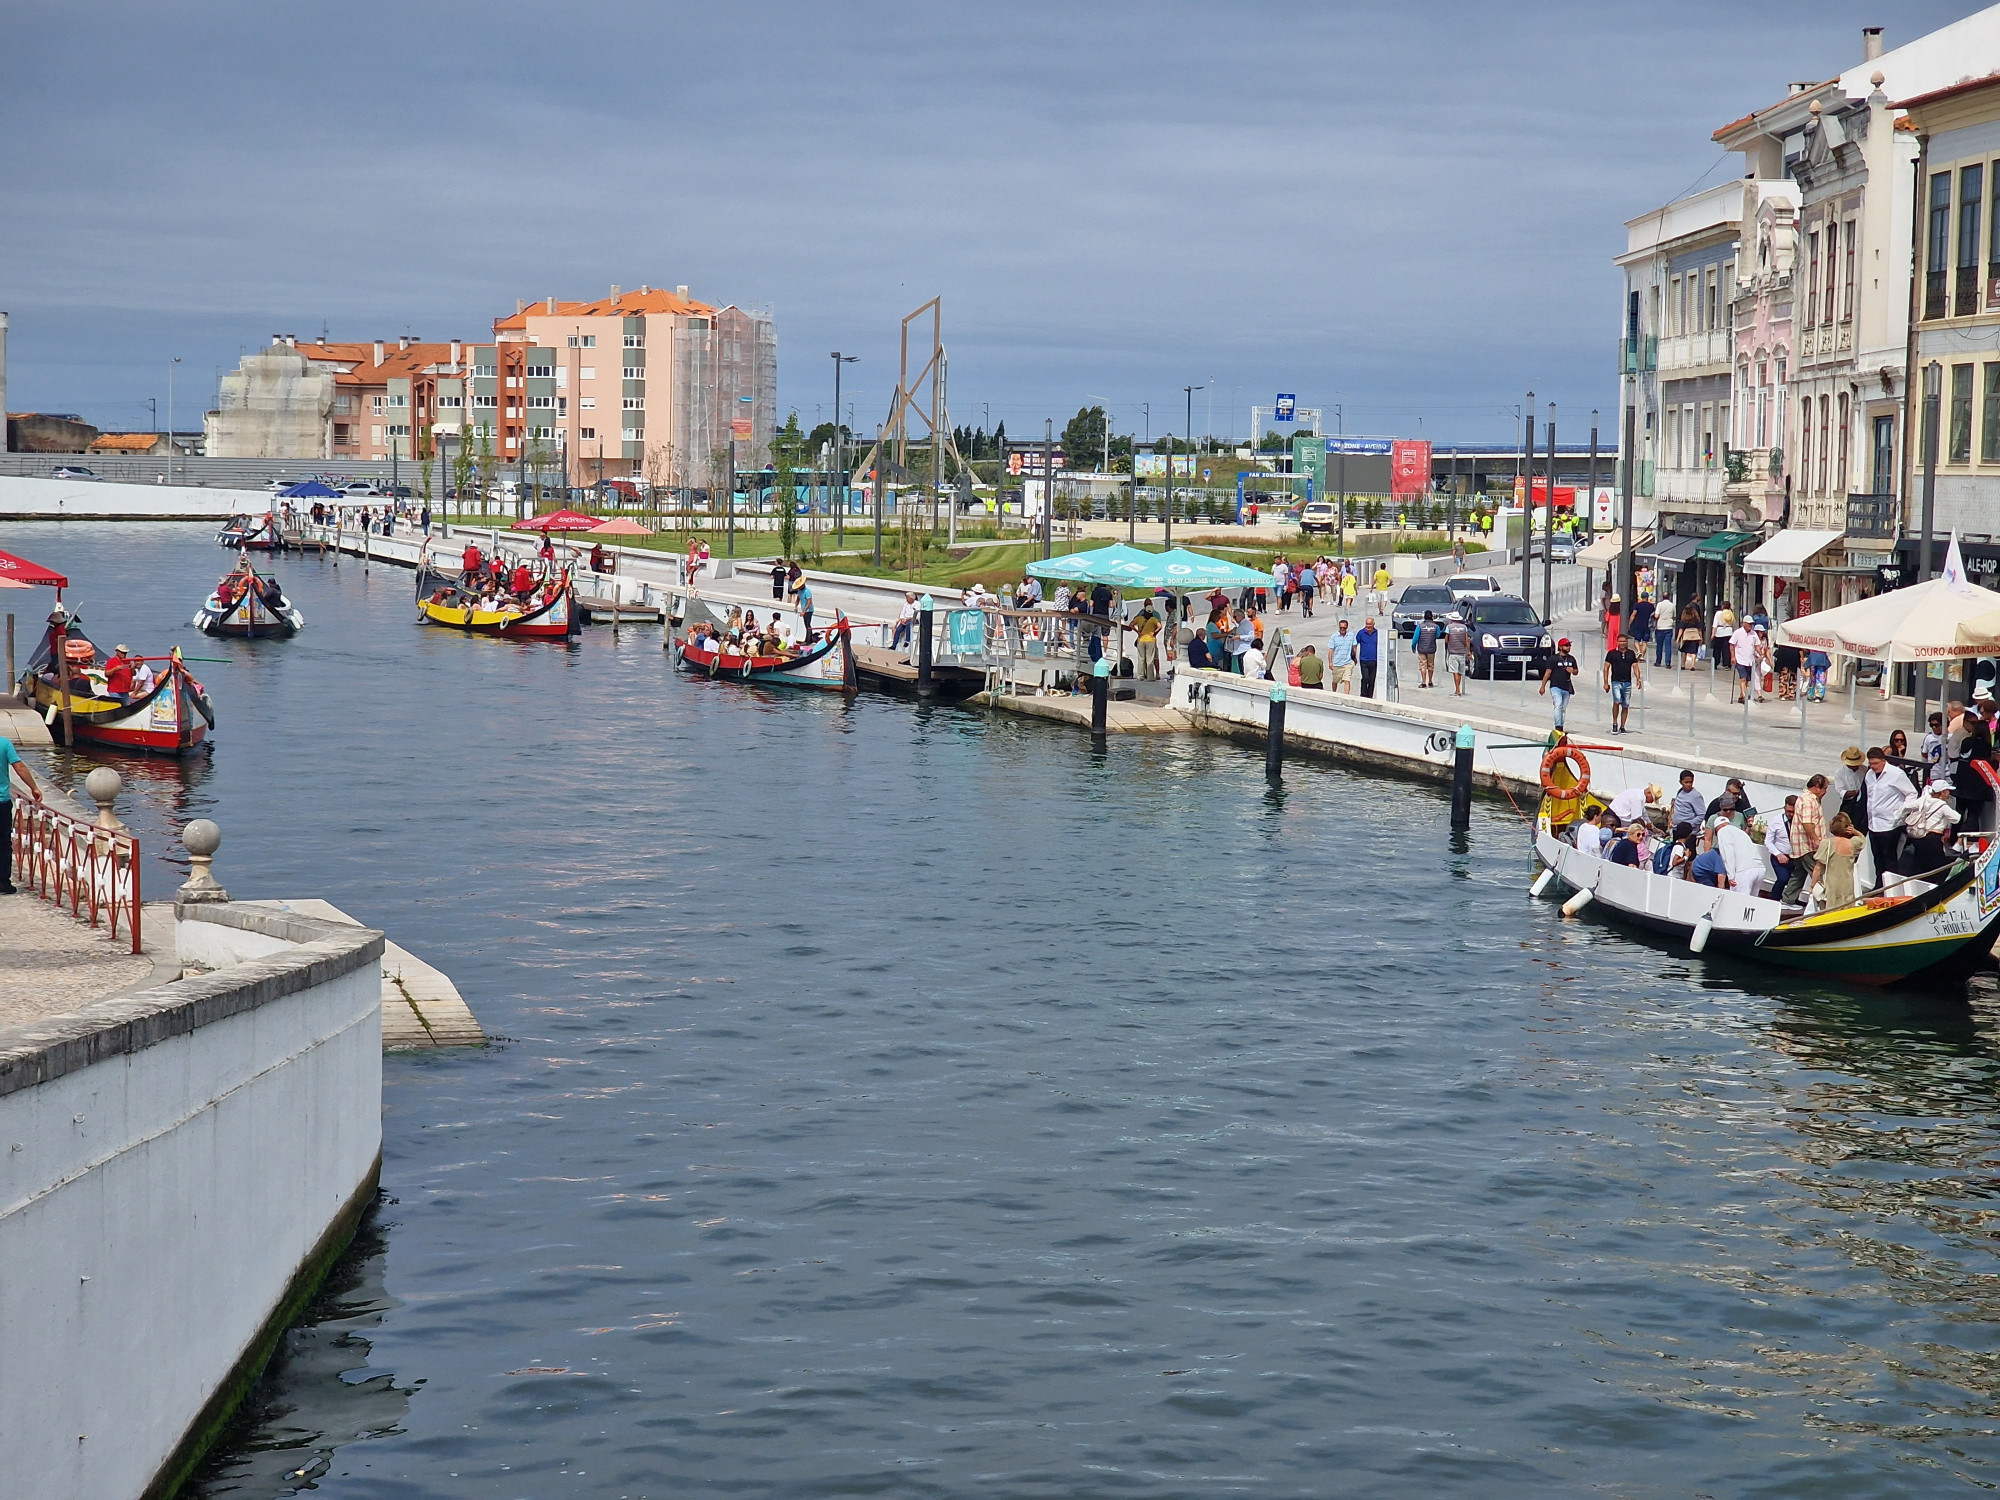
x,y
1671,551
1716,548
1603,553
1786,554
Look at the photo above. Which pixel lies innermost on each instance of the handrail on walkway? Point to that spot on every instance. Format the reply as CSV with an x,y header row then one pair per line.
x,y
65,860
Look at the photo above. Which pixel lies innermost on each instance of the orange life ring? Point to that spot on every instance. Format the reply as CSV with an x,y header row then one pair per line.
x,y
1565,754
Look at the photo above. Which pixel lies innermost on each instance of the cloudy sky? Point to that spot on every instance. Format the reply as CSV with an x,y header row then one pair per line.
x,y
1406,209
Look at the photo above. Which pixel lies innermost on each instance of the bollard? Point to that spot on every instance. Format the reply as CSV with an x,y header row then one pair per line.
x,y
13,680
201,839
1100,698
103,786
1746,718
1802,721
1461,778
1274,737
925,688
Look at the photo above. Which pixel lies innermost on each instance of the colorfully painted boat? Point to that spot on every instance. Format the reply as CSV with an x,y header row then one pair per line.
x,y
253,533
174,718
248,607
825,663
549,613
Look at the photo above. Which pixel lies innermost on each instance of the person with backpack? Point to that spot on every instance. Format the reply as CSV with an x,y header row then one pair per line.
x,y
1425,640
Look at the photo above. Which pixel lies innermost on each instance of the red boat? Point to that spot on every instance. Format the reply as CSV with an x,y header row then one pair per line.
x,y
172,717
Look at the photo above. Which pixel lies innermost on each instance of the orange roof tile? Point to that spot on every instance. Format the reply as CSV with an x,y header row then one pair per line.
x,y
126,442
625,304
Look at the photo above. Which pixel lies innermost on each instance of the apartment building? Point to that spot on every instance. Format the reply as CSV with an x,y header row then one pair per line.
x,y
649,384
340,400
1957,336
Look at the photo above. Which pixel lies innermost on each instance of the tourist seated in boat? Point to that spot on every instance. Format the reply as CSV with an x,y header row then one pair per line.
x,y
1627,846
1590,832
1675,857
1739,799
118,673
143,680
272,595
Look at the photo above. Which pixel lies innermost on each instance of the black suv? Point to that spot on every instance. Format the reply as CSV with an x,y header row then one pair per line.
x,y
1507,633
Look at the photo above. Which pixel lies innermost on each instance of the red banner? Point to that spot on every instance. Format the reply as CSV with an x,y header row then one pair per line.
x,y
1409,470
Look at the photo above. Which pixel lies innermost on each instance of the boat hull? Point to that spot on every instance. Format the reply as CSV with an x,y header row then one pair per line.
x,y
824,667
554,621
248,619
167,721
1920,932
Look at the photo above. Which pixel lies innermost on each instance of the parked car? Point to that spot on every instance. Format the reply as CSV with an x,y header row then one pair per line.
x,y
1410,605
360,489
1319,516
1507,633
399,491
71,471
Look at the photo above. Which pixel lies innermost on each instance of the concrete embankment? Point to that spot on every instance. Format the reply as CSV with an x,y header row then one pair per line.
x,y
181,1166
25,499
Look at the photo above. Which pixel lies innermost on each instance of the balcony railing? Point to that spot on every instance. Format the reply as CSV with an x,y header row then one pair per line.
x,y
1640,356
92,871
1872,517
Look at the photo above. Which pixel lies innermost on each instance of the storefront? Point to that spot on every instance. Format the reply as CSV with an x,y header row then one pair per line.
x,y
1673,582
1715,578
1783,563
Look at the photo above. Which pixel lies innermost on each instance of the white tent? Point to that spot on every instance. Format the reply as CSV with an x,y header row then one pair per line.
x,y
1942,620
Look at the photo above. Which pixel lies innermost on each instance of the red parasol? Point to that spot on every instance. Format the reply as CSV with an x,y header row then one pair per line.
x,y
20,570
620,527
559,520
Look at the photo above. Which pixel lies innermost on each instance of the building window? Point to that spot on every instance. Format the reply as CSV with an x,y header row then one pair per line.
x,y
635,341
1989,427
541,434
635,434
1938,245
1804,470
1812,278
1713,320
485,401
1832,264
586,432
343,404
562,406
1961,415
1840,454
541,372
486,371
1971,194
1825,440
343,435
586,372
635,372
399,429
451,401
376,408
1885,456
587,341
1708,432
587,403
541,403
635,403
1847,286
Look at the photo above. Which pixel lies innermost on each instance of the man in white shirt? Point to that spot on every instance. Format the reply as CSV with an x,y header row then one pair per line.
x,y
1630,805
1740,853
1889,794
1743,651
906,619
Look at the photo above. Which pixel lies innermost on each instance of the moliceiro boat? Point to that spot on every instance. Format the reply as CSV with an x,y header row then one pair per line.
x,y
548,611
1937,926
248,607
106,705
826,661
253,534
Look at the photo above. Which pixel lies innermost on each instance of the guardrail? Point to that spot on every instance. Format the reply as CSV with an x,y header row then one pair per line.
x,y
91,869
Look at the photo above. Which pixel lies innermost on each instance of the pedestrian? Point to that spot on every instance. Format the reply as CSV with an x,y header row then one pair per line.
x,y
1889,795
1614,623
777,580
425,516
1742,648
1850,787
1425,639
1975,749
1833,864
1245,639
1926,823
1100,600
1621,665
1931,747
1689,633
1785,662
1367,642
12,765
1382,583
1458,554
1312,668
1348,586
1457,647
1281,580
1639,628
1340,657
1804,835
1307,581
1720,630
1690,807
1818,663
1146,632
1560,679
803,601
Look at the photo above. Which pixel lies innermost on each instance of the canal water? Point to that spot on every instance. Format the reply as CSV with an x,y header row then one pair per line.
x,y
913,1102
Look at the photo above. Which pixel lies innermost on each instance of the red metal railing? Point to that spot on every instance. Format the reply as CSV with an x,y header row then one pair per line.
x,y
91,870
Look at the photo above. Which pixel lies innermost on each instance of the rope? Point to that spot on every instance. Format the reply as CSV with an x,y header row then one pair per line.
x,y
1499,777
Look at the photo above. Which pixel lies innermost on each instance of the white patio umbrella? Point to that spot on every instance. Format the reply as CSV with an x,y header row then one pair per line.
x,y
1944,619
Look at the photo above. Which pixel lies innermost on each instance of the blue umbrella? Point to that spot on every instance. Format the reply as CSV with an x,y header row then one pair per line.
x,y
309,489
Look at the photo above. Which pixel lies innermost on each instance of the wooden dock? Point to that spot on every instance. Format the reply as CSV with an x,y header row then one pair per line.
x,y
886,671
1127,716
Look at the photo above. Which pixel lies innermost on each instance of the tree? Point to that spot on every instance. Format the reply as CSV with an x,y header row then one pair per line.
x,y
1083,437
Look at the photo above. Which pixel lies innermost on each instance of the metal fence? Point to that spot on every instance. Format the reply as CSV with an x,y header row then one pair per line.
x,y
65,860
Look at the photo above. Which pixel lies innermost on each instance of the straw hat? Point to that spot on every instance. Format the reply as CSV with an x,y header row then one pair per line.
x,y
1852,758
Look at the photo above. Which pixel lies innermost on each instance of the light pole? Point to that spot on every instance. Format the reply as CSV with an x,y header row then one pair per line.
x,y
170,419
1190,433
1549,526
1933,389
1526,468
1340,463
840,451
1590,515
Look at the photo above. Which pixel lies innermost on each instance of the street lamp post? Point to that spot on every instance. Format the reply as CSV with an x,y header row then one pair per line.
x,y
170,419
1526,468
1549,526
840,451
1190,432
1340,464
1933,388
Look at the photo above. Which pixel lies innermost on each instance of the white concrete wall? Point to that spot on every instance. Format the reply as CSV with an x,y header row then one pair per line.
x,y
30,499
156,1202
